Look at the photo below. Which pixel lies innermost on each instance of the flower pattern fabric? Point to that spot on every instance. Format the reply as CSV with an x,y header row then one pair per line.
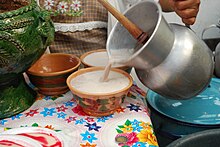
x,y
129,126
67,7
136,133
48,4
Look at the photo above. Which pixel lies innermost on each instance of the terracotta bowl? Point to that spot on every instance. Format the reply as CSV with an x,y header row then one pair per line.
x,y
97,98
99,58
50,72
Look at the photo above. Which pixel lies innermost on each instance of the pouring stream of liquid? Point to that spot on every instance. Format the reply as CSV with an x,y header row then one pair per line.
x,y
133,29
107,69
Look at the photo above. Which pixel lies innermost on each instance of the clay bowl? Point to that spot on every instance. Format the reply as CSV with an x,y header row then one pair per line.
x,y
99,58
99,98
50,72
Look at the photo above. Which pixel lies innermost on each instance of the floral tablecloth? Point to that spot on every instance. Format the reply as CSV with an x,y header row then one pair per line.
x,y
61,114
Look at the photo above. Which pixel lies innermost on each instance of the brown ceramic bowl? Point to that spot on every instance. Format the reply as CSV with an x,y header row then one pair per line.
x,y
99,58
98,99
50,72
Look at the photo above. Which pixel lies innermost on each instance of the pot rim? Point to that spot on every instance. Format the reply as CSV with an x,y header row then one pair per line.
x,y
32,5
200,111
179,121
99,95
57,73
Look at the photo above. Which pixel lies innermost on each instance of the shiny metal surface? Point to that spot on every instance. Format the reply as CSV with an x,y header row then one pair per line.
x,y
174,62
185,72
147,15
217,60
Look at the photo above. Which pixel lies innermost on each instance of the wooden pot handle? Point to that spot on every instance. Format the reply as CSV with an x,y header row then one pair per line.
x,y
134,30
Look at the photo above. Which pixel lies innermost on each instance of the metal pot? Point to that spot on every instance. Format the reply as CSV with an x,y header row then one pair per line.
x,y
174,119
214,46
174,62
199,139
211,42
217,60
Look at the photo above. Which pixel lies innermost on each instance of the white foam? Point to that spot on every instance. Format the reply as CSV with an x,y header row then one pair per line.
x,y
90,82
99,59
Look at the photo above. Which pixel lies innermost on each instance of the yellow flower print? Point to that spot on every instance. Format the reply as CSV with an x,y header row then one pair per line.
x,y
127,129
146,125
143,135
147,136
152,140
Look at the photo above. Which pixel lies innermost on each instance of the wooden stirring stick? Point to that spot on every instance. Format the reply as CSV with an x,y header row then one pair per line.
x,y
133,29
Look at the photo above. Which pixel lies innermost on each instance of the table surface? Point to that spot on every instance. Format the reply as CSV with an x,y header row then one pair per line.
x,y
62,115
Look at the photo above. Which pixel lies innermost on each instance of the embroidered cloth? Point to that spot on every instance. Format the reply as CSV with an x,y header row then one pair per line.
x,y
129,126
81,25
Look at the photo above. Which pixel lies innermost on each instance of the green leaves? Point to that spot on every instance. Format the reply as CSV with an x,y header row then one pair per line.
x,y
127,123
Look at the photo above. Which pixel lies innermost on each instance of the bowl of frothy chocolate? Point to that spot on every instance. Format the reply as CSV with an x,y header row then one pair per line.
x,y
96,96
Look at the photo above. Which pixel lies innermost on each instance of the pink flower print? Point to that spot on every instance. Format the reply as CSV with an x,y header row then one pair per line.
x,y
61,108
31,113
71,119
131,138
48,4
76,5
62,7
89,119
78,110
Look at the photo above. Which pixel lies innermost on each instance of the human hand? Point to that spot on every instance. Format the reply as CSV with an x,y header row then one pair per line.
x,y
186,9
